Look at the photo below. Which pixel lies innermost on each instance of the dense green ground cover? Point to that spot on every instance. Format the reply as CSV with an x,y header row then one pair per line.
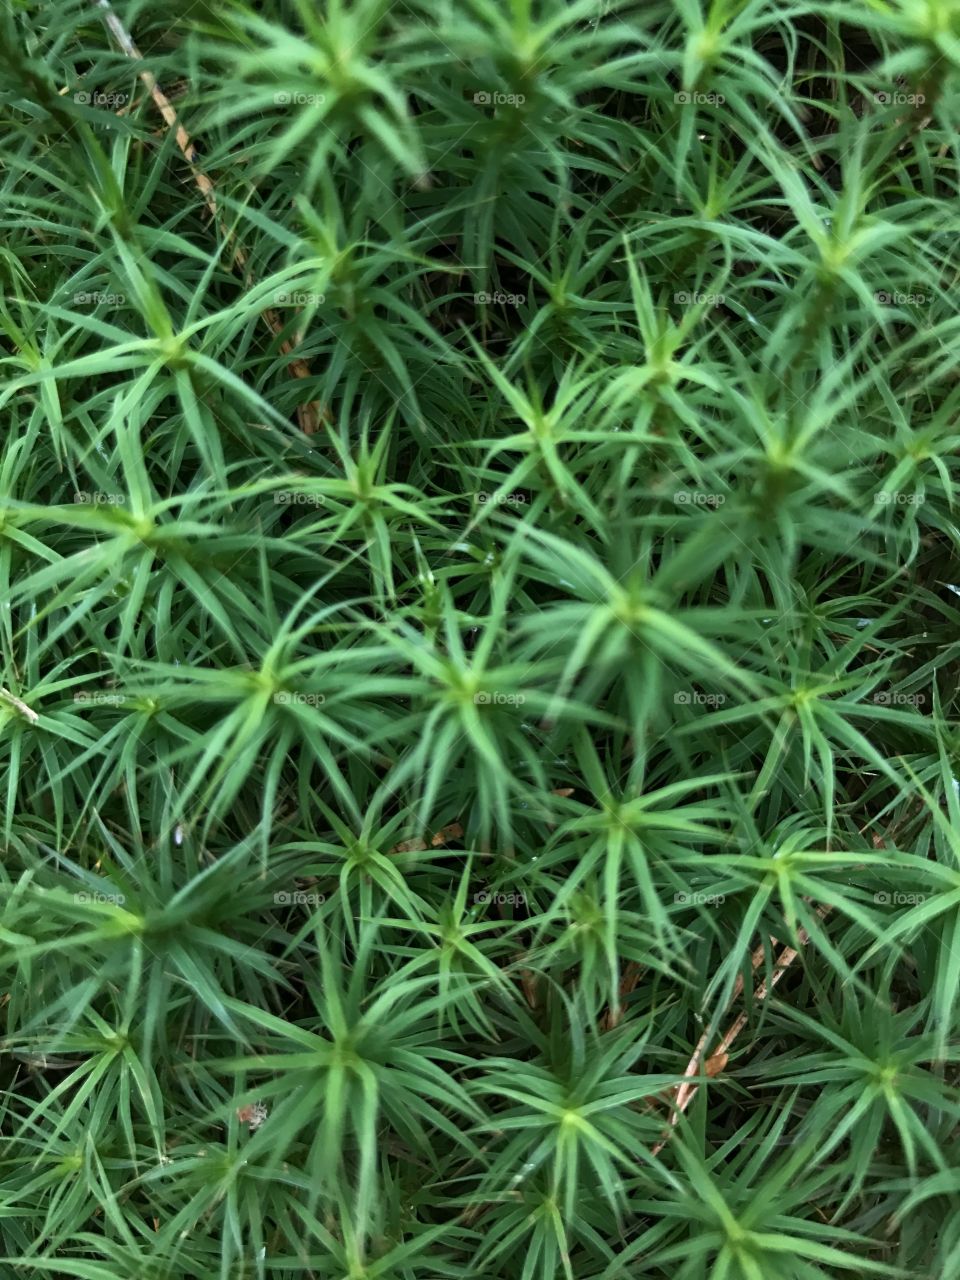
x,y
480,640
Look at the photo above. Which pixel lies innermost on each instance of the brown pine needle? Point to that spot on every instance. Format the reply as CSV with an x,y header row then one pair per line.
x,y
308,415
686,1092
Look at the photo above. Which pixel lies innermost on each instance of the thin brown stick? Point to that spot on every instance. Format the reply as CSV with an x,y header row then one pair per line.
x,y
686,1092
308,415
614,1014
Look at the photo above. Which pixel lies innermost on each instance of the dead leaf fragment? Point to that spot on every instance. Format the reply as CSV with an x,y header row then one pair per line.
x,y
717,1062
453,831
253,1115
409,846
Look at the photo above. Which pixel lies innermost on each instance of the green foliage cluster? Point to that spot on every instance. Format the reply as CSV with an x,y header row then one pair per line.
x,y
391,808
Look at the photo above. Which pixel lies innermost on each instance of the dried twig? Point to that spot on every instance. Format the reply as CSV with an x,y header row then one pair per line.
x,y
629,979
308,415
686,1092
